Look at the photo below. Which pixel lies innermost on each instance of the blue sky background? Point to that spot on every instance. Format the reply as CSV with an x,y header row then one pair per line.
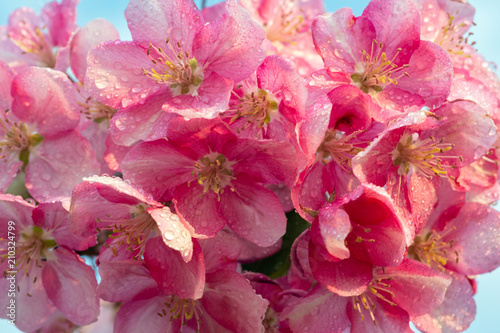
x,y
486,34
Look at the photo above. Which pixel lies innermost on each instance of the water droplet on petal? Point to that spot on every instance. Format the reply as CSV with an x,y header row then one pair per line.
x,y
169,235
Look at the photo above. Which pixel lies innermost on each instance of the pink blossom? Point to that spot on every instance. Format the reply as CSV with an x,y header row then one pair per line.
x,y
132,216
394,294
175,55
53,155
415,151
380,52
287,25
50,275
214,178
31,38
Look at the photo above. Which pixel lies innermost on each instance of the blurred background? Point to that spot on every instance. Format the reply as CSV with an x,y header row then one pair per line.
x,y
486,34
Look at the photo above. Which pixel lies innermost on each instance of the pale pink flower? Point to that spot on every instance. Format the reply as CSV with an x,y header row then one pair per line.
x,y
50,275
38,134
175,55
29,39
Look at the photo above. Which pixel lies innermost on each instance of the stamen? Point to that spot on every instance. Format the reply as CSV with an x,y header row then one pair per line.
x,y
183,309
337,147
214,172
133,232
450,38
377,71
31,40
180,72
258,108
17,140
288,25
432,250
421,155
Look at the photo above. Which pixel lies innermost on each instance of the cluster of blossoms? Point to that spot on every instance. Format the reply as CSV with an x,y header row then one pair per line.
x,y
169,161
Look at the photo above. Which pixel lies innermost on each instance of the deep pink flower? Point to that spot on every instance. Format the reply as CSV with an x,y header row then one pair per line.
x,y
164,292
50,275
353,234
175,55
394,294
215,179
268,104
420,148
462,241
330,141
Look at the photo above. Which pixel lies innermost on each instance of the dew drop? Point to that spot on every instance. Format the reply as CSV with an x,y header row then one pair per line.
x,y
102,82
169,235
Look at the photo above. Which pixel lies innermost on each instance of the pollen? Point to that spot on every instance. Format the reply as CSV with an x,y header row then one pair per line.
x,y
451,39
214,172
379,288
257,107
33,247
96,111
425,156
338,147
132,232
175,67
17,140
376,71
31,40
287,25
432,250
177,308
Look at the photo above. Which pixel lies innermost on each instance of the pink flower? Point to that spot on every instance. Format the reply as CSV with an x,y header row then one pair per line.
x,y
50,275
287,25
394,294
215,179
345,244
421,147
269,104
53,155
175,55
129,214
164,292
380,52
462,241
30,39
330,141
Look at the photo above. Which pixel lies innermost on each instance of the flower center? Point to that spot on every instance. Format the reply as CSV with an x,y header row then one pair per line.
x,y
258,108
16,140
98,112
175,68
271,321
450,38
30,39
132,232
336,147
377,288
421,155
287,25
183,309
432,250
32,248
214,173
375,71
